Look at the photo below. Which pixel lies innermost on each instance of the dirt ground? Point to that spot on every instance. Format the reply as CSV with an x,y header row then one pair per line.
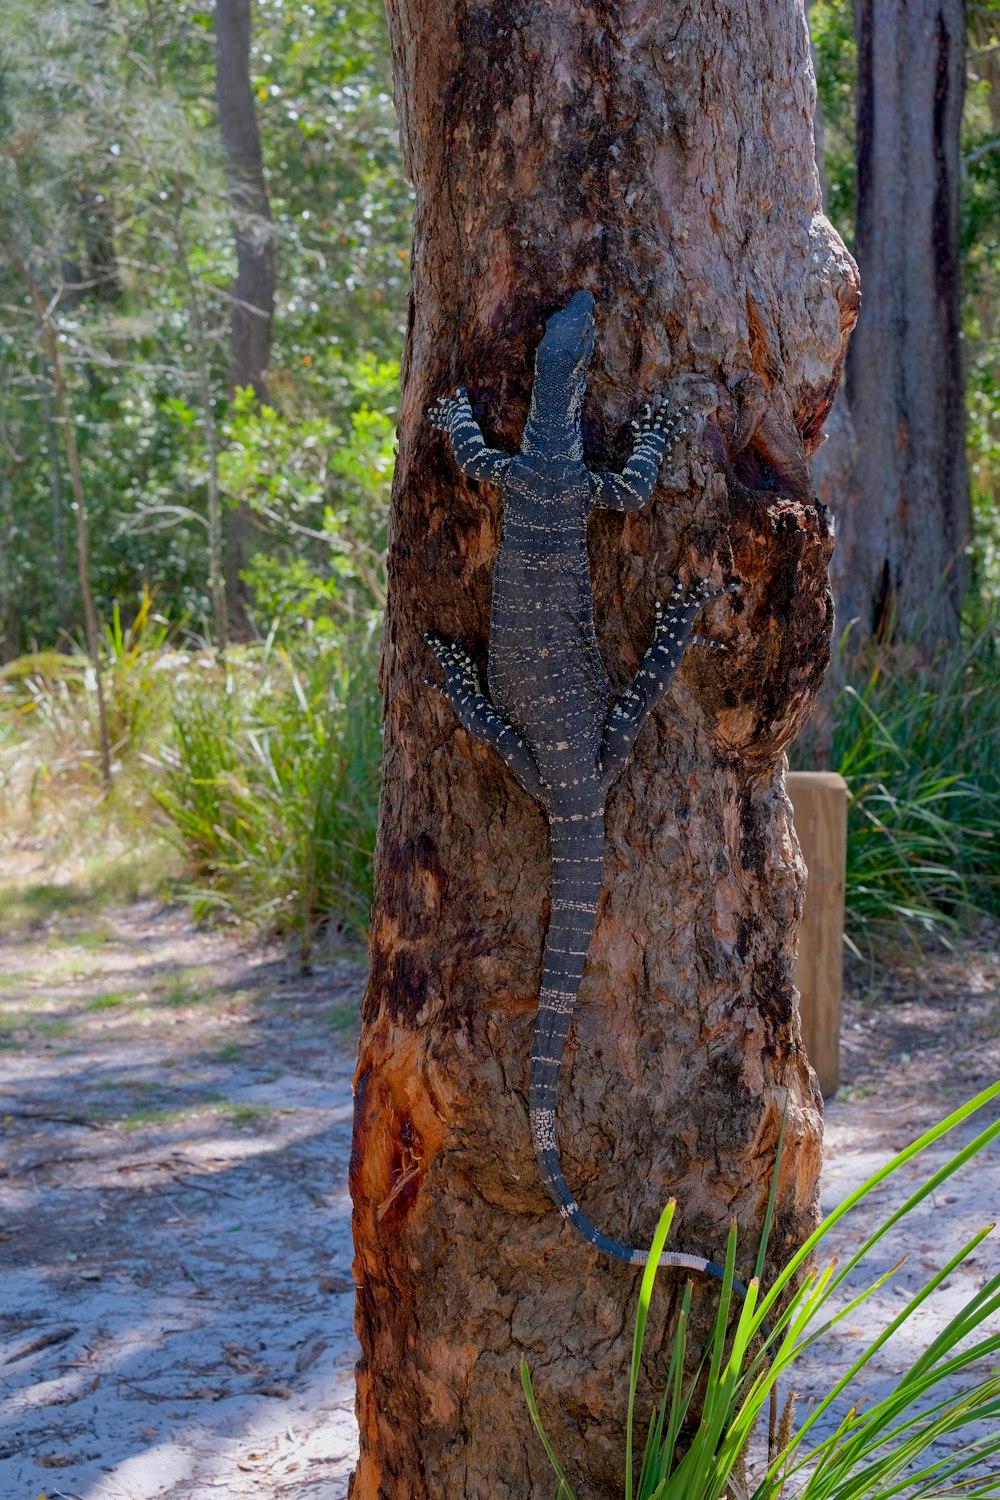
x,y
175,1303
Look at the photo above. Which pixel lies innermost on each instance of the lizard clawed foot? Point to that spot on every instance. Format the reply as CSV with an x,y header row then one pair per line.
x,y
447,408
697,592
668,422
675,615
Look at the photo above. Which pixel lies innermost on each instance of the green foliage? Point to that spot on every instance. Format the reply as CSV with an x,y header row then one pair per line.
x,y
112,186
321,491
271,786
919,747
883,1447
981,277
982,407
831,28
342,204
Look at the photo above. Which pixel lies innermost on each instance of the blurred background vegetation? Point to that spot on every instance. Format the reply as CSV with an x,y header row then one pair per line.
x,y
220,697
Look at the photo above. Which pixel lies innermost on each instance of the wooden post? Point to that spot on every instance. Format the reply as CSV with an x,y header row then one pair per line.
x,y
819,801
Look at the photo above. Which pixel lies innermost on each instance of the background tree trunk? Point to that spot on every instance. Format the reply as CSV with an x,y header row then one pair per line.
x,y
10,623
253,291
552,149
60,573
906,517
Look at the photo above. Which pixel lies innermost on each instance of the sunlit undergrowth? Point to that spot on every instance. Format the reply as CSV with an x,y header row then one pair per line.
x,y
929,1434
919,747
264,771
270,782
261,770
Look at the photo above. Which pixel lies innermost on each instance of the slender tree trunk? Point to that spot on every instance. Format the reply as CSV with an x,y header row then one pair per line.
x,y
253,292
553,148
210,432
907,517
47,329
58,507
10,625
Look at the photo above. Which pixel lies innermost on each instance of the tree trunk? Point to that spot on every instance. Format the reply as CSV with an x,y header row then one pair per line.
x,y
907,514
10,620
56,497
552,150
210,433
253,292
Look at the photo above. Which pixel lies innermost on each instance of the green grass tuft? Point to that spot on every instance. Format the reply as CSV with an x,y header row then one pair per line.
x,y
107,1002
887,1445
272,787
919,747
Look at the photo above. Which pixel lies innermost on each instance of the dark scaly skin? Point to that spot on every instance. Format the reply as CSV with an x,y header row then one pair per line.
x,y
551,712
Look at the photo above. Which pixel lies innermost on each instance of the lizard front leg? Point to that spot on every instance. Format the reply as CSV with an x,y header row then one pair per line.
x,y
672,635
453,415
656,433
477,714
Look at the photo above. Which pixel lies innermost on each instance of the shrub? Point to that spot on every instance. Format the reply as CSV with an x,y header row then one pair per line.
x,y
271,785
49,704
919,748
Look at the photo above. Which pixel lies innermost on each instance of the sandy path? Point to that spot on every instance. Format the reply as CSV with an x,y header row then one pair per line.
x,y
175,1308
175,1304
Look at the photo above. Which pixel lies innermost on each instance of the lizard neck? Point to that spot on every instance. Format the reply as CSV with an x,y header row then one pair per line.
x,y
552,430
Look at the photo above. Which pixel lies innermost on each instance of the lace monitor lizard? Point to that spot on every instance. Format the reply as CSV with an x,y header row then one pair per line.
x,y
551,712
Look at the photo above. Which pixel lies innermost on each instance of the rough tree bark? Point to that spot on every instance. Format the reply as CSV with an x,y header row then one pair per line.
x,y
253,291
906,514
662,156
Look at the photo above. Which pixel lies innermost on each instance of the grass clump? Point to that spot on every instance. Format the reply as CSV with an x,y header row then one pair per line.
x,y
187,987
248,1116
887,1447
271,786
51,735
344,1019
109,1001
919,747
262,766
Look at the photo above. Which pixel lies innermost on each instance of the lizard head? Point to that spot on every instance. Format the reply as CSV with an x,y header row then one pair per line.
x,y
561,362
568,342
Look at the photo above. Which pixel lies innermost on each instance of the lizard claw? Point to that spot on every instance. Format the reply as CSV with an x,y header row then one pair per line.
x,y
444,408
668,422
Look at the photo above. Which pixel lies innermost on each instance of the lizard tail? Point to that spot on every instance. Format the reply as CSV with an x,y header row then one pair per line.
x,y
577,860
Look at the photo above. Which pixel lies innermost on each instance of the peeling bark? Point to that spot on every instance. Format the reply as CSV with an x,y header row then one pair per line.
x,y
662,157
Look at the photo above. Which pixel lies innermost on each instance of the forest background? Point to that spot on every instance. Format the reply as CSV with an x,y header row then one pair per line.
x,y
204,245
